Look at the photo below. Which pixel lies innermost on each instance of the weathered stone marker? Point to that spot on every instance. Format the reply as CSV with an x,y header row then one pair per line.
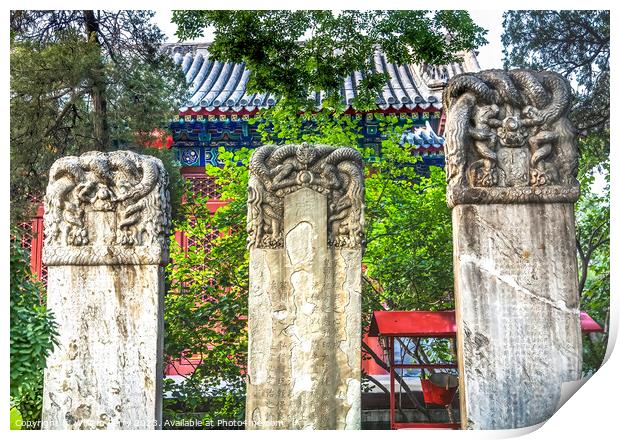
x,y
107,217
511,162
305,227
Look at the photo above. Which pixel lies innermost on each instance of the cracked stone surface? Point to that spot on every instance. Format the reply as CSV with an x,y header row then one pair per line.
x,y
304,326
517,311
106,371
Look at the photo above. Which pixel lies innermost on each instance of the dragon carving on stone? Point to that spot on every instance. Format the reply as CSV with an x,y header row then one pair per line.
x,y
508,138
278,171
132,188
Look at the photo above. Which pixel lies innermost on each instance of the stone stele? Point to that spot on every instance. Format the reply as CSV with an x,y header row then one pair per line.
x,y
511,164
305,223
107,218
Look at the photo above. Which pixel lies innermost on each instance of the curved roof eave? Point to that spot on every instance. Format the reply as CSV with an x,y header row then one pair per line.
x,y
215,85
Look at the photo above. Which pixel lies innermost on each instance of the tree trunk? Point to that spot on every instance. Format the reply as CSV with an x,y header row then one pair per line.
x,y
98,89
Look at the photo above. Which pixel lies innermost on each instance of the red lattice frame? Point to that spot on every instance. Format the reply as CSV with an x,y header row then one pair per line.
x,y
201,183
201,243
206,186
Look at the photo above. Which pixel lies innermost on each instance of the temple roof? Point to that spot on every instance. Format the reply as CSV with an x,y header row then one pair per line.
x,y
218,85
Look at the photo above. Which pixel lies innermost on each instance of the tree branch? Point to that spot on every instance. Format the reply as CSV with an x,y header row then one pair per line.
x,y
400,380
385,390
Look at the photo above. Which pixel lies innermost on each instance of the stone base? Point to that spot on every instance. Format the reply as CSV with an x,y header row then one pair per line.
x,y
517,310
106,372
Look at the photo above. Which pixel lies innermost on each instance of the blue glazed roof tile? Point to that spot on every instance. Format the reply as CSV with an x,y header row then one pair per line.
x,y
215,85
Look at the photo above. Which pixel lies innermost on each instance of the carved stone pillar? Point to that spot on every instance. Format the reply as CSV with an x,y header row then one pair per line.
x,y
305,223
511,162
107,217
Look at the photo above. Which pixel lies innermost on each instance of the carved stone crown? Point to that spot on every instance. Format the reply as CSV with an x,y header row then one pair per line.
x,y
278,171
107,209
508,139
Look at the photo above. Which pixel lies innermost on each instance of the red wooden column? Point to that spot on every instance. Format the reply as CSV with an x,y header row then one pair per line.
x,y
36,247
392,390
32,241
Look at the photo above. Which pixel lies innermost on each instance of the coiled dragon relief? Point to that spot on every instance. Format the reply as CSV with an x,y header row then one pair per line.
x,y
508,138
131,188
278,171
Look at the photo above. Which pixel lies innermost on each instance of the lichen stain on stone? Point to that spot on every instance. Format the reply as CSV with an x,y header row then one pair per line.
x,y
65,386
120,324
468,218
148,382
69,418
118,284
135,311
73,350
83,411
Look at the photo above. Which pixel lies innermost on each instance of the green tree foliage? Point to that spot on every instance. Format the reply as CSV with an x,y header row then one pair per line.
x,y
408,255
16,420
33,335
206,304
334,45
593,247
81,81
576,44
573,43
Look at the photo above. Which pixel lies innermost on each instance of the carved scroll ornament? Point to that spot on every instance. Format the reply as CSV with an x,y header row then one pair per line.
x,y
278,171
508,138
107,208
